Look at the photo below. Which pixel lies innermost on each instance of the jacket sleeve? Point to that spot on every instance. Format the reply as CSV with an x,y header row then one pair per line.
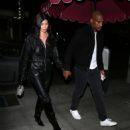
x,y
68,57
24,60
56,58
100,51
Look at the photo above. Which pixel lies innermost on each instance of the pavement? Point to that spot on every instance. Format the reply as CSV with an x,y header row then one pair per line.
x,y
19,115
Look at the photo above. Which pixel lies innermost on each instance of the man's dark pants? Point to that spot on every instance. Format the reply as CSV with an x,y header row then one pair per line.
x,y
91,76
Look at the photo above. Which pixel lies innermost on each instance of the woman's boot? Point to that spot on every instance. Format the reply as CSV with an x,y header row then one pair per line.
x,y
51,116
38,111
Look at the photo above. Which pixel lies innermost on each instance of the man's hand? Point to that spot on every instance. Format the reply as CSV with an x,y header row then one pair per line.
x,y
66,73
102,74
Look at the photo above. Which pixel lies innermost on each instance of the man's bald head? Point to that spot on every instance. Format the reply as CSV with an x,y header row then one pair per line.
x,y
96,20
95,14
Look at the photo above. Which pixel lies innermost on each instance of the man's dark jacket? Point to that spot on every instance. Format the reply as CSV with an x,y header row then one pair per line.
x,y
81,48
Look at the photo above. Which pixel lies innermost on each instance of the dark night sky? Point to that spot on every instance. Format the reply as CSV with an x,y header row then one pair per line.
x,y
27,5
6,4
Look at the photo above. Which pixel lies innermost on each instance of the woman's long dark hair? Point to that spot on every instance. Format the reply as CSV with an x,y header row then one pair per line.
x,y
37,23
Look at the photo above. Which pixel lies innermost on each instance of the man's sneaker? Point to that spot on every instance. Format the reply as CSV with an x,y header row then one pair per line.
x,y
75,114
108,122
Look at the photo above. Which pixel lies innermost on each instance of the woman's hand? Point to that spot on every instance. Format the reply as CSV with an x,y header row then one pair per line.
x,y
20,91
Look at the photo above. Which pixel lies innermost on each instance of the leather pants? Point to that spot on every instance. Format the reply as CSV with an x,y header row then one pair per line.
x,y
41,83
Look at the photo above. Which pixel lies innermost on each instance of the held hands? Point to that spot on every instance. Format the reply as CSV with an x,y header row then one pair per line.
x,y
66,73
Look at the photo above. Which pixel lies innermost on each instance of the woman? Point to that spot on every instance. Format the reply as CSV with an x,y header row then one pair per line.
x,y
38,55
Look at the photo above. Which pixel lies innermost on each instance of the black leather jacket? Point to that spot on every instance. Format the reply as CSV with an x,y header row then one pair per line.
x,y
36,57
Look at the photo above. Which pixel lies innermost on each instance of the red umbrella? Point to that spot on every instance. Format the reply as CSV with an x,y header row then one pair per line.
x,y
53,9
58,1
81,11
125,6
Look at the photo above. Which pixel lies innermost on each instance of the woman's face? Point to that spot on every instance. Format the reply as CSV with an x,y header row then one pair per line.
x,y
44,25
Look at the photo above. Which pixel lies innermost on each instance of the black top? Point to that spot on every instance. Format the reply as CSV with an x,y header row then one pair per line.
x,y
37,56
81,48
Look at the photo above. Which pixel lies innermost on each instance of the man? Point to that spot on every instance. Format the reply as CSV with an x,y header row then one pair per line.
x,y
85,52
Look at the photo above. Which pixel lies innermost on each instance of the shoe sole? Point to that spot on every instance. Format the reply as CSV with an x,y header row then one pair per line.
x,y
108,125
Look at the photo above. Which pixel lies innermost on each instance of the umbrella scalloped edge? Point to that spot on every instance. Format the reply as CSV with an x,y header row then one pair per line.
x,y
58,1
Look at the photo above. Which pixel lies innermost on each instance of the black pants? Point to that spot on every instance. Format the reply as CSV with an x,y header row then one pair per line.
x,y
41,84
82,77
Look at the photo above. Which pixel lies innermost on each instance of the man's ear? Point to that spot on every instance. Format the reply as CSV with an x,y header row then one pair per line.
x,y
91,20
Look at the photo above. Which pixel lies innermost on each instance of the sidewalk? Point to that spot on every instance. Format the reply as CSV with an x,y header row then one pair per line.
x,y
20,116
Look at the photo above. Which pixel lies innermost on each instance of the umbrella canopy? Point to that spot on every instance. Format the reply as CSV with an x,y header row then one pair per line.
x,y
125,6
81,11
58,1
